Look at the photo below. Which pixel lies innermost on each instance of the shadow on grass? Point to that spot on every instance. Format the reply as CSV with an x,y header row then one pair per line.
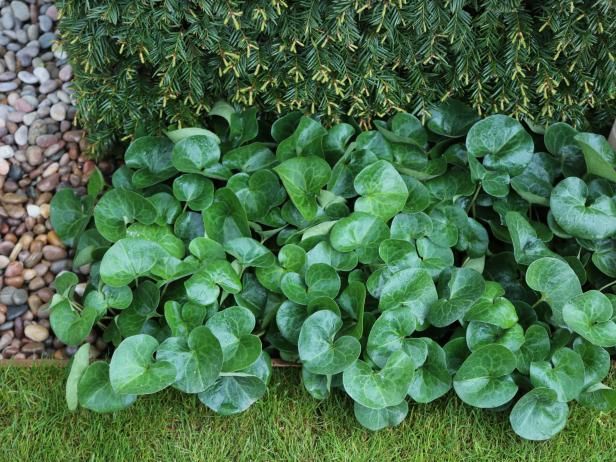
x,y
287,425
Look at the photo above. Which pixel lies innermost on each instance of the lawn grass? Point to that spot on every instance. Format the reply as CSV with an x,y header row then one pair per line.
x,y
286,425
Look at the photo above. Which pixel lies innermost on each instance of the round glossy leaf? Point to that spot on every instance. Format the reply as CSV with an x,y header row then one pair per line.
x,y
590,315
96,393
599,156
385,388
249,252
556,282
318,386
564,375
432,379
527,247
378,419
118,297
70,325
195,154
319,349
359,231
578,214
234,393
479,334
484,379
388,334
382,190
536,347
289,318
133,371
412,287
498,311
127,260
303,178
198,360
538,415
459,290
119,207
194,189
150,157
596,362
233,328
503,143
225,219
249,158
70,214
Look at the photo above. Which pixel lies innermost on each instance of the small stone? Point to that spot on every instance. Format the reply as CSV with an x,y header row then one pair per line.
x,y
20,10
73,136
14,311
48,86
41,74
33,210
36,332
50,183
47,39
27,77
14,268
45,23
44,141
6,339
6,326
4,261
53,253
58,112
36,283
6,152
4,166
7,21
34,155
33,347
66,73
23,105
13,198
6,295
20,296
7,86
21,136
52,12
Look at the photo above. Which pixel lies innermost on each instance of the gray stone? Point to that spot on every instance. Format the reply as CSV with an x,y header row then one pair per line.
x,y
27,77
6,326
21,136
20,10
45,23
41,74
20,296
58,111
6,152
9,59
32,31
66,73
6,295
7,86
48,86
7,21
47,39
6,76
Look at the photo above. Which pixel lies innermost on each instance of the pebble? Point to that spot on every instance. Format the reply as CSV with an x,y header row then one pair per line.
x,y
20,10
36,332
39,153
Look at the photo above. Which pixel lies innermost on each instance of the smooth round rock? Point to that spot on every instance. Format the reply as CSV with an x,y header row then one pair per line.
x,y
20,10
15,311
36,332
27,77
58,112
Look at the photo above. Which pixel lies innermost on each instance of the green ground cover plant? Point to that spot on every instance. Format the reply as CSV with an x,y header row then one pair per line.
x,y
394,264
150,64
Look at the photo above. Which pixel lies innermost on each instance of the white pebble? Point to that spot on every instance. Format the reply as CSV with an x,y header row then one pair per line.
x,y
33,210
21,136
6,152
58,112
42,74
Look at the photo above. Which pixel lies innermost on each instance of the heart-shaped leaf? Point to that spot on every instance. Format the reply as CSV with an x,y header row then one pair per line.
x,y
234,393
319,349
70,325
118,208
303,178
133,370
556,281
502,142
359,231
197,360
590,315
225,219
377,419
451,118
459,290
249,252
127,260
195,154
596,362
150,158
258,192
484,379
70,214
382,190
96,393
249,158
385,388
565,374
412,287
233,328
578,214
194,189
599,156
527,247
536,347
432,379
538,415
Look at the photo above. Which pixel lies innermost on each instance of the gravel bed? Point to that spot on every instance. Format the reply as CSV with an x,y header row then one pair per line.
x,y
40,152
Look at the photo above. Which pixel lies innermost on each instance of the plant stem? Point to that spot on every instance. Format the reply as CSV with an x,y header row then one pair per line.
x,y
607,285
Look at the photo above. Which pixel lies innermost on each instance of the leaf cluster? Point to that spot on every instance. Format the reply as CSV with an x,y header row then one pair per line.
x,y
394,264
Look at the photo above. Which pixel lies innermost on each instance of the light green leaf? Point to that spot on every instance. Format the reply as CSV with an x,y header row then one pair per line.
x,y
538,415
96,393
382,190
80,363
590,315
